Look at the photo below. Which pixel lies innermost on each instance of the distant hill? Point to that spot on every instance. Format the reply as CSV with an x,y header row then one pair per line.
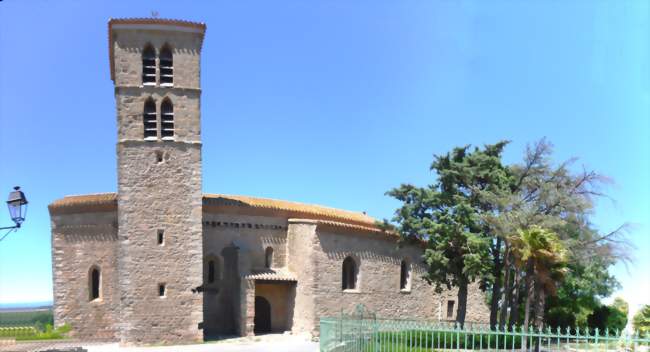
x,y
25,306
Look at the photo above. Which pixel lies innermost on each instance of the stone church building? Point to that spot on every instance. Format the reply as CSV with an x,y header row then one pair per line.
x,y
160,261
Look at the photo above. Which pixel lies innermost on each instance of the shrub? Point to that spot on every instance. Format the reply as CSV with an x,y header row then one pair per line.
x,y
612,318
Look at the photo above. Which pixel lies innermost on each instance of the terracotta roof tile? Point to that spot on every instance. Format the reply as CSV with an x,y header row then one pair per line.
x,y
329,217
271,275
84,203
289,209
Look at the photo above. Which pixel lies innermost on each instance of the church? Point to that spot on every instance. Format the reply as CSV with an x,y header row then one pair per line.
x,y
161,262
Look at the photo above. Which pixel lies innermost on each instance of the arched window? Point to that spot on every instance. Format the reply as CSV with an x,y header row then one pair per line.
x,y
404,276
268,257
166,66
211,271
149,119
349,278
148,65
167,118
94,283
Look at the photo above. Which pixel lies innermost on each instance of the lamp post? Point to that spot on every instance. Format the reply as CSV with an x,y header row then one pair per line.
x,y
17,204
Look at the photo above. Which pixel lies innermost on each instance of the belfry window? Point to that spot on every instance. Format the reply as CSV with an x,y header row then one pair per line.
x,y
149,119
94,284
349,277
405,276
148,66
166,66
167,119
268,257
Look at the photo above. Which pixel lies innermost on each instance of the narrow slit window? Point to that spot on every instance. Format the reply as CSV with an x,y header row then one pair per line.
x,y
95,281
349,279
450,309
149,119
268,258
167,118
161,237
211,271
162,290
404,276
148,66
166,66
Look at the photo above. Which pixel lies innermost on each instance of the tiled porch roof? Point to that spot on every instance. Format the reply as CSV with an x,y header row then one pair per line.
x,y
271,275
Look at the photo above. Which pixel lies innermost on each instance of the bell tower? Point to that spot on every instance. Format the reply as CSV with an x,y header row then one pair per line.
x,y
155,67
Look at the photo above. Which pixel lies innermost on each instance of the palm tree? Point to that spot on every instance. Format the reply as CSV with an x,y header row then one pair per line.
x,y
541,255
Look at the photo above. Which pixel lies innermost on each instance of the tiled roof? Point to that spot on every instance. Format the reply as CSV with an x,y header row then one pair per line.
x,y
271,275
84,203
262,206
234,204
199,26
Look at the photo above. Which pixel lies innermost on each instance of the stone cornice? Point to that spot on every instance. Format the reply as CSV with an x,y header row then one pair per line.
x,y
161,142
137,90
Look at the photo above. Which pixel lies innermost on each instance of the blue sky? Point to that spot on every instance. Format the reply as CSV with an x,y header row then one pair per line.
x,y
334,103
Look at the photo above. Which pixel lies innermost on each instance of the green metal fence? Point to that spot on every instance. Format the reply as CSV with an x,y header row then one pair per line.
x,y
363,332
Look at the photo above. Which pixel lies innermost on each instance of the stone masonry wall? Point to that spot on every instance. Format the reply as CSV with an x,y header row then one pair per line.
x,y
130,106
160,196
159,189
378,283
79,243
301,247
129,43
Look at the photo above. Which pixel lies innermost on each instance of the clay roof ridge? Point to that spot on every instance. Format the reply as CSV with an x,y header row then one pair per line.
x,y
91,194
322,214
236,196
277,204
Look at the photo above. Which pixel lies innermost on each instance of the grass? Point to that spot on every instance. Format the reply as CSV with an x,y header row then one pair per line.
x,y
420,341
448,340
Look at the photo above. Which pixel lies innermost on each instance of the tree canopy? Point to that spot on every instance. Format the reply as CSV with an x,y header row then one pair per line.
x,y
522,231
447,215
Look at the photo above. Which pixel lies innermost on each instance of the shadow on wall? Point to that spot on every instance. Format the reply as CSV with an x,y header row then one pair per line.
x,y
220,306
337,249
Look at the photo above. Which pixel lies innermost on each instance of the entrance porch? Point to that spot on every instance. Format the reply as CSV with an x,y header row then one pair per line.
x,y
269,298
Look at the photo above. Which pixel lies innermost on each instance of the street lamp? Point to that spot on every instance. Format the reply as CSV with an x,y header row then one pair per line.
x,y
17,204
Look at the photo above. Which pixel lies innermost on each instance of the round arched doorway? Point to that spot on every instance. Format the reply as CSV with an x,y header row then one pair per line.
x,y
262,315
